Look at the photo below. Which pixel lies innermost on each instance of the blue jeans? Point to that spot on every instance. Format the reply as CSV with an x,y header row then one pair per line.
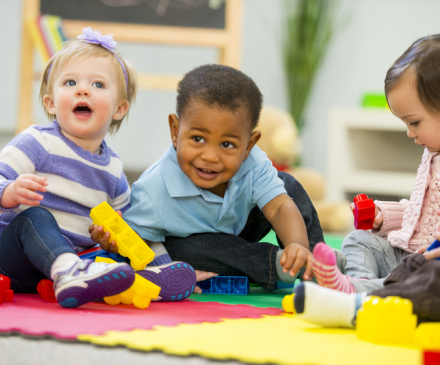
x,y
369,256
245,255
28,247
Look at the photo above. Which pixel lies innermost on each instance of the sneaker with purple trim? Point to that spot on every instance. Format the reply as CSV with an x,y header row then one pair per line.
x,y
177,280
87,281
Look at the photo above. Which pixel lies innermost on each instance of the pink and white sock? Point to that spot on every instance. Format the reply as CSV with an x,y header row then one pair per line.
x,y
327,272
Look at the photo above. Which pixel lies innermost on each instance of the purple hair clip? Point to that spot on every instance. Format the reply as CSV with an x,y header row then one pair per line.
x,y
95,37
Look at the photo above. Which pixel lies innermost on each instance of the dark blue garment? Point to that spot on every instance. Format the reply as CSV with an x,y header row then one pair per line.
x,y
244,254
28,247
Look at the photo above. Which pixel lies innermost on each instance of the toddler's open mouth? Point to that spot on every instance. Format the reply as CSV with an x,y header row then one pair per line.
x,y
82,111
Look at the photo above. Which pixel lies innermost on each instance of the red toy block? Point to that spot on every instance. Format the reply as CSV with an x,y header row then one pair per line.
x,y
6,294
431,358
45,289
364,212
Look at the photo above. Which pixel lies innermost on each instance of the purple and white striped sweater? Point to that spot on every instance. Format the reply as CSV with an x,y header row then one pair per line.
x,y
77,179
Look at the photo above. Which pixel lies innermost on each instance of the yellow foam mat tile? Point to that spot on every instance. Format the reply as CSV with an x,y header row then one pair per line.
x,y
273,339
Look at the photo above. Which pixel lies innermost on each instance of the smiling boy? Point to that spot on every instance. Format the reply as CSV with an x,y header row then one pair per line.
x,y
214,194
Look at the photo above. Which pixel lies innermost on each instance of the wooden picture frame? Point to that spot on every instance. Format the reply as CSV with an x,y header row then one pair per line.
x,y
227,41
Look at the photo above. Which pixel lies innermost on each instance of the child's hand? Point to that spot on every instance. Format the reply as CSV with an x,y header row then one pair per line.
x,y
24,191
378,216
294,257
435,253
98,235
429,255
200,276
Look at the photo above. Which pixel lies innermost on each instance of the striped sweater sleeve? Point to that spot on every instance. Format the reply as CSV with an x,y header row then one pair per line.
x,y
22,155
122,195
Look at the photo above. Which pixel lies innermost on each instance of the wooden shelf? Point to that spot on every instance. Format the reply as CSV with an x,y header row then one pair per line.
x,y
369,152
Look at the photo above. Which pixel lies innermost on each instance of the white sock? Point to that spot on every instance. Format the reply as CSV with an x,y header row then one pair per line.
x,y
63,262
326,307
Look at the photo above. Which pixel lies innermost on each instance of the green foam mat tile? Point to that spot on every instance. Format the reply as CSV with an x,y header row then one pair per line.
x,y
257,297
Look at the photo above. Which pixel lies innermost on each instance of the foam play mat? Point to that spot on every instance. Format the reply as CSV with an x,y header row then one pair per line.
x,y
279,339
28,314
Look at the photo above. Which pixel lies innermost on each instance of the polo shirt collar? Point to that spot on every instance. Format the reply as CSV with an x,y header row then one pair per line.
x,y
176,182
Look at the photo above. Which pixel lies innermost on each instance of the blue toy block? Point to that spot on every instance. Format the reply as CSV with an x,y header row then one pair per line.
x,y
94,252
433,245
233,285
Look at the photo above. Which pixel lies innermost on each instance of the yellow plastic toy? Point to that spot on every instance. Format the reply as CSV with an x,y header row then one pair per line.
x,y
388,320
139,294
287,303
428,336
129,243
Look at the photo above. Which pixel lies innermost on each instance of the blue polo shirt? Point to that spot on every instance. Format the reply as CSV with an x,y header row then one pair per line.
x,y
165,202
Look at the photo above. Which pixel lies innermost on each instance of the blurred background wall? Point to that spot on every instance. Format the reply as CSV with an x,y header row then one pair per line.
x,y
375,34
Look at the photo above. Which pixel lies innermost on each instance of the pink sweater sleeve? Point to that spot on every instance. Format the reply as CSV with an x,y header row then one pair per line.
x,y
392,216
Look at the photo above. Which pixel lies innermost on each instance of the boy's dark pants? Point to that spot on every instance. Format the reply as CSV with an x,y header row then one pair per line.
x,y
418,280
244,255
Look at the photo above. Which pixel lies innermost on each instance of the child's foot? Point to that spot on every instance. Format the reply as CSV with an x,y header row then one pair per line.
x,y
87,281
326,270
177,280
326,307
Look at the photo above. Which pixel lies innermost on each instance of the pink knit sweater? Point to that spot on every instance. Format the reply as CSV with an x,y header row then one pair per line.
x,y
410,224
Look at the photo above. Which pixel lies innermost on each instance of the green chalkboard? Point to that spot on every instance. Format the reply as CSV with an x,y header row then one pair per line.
x,y
182,13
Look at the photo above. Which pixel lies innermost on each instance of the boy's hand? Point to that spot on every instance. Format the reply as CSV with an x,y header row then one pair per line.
x,y
98,235
200,276
294,257
378,216
24,191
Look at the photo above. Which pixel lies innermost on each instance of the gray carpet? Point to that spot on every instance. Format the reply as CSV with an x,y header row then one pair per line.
x,y
18,350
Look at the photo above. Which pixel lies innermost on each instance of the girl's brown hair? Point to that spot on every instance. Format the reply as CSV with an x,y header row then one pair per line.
x,y
423,56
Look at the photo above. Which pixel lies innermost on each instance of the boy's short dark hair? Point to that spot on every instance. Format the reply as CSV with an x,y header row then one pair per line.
x,y
221,86
423,56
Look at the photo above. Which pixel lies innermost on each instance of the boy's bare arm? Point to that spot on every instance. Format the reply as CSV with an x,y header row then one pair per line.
x,y
288,224
286,220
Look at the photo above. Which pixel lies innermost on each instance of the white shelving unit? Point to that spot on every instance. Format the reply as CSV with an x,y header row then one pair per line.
x,y
369,152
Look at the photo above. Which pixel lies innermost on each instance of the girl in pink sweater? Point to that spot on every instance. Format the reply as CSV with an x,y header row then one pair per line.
x,y
412,88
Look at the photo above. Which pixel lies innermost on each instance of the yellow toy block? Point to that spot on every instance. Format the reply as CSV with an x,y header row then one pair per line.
x,y
287,303
388,320
129,243
139,294
428,336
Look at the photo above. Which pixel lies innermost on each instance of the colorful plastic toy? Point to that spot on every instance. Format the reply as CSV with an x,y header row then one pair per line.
x,y
431,357
288,304
129,243
428,336
6,294
139,294
364,211
45,289
374,100
388,320
93,252
233,285
435,244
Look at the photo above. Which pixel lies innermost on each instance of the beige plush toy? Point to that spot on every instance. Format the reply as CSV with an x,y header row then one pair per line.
x,y
279,139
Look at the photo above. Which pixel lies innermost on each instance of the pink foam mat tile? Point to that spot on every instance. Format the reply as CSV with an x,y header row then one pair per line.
x,y
30,315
